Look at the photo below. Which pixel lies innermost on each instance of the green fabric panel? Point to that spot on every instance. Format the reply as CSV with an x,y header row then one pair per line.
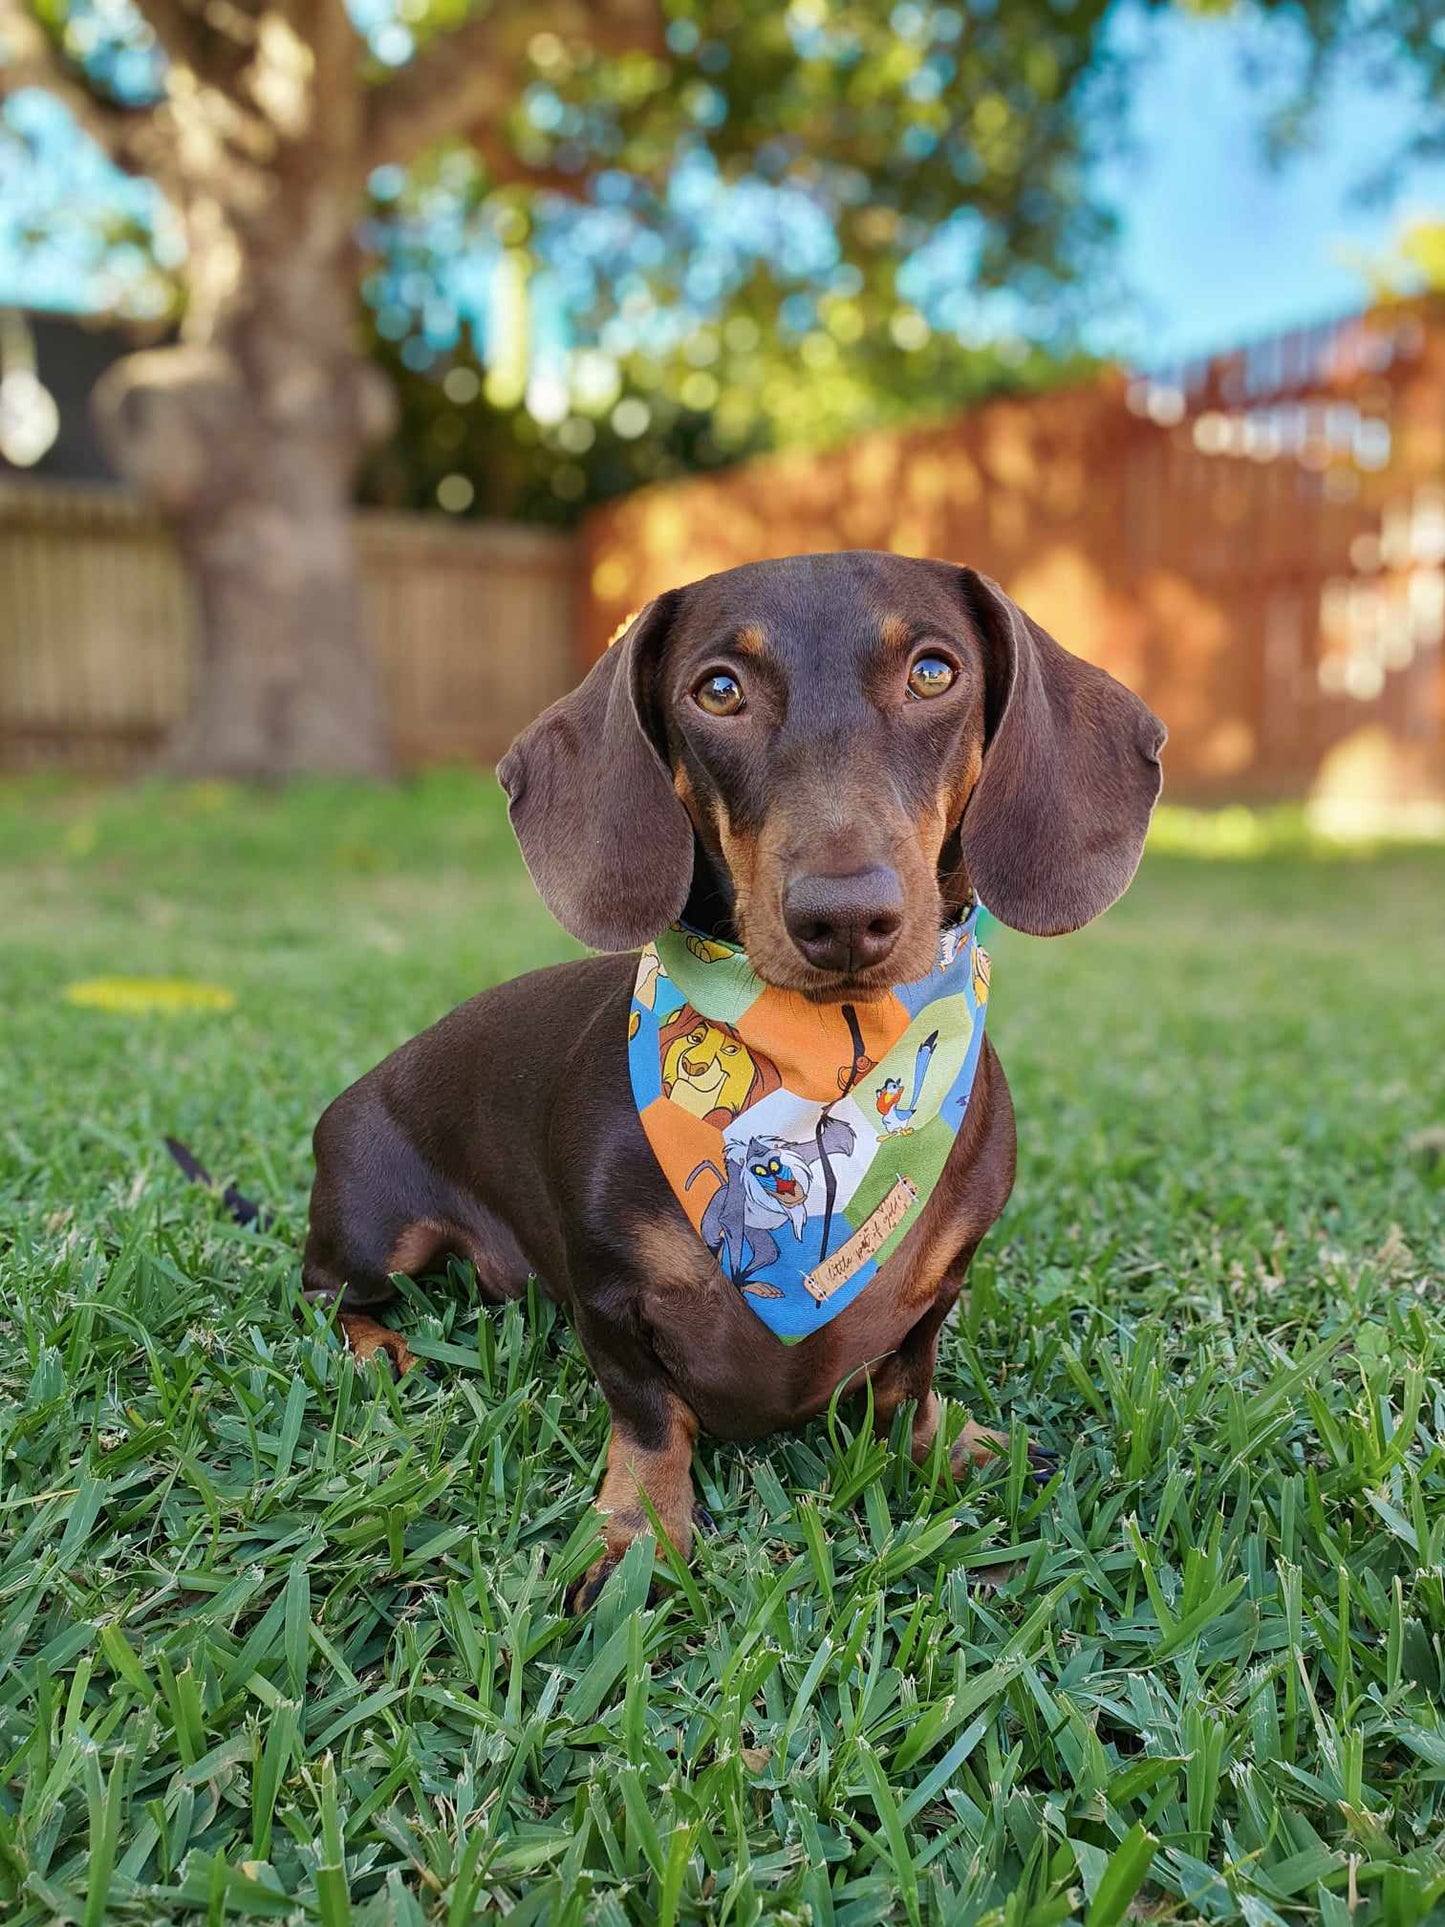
x,y
722,990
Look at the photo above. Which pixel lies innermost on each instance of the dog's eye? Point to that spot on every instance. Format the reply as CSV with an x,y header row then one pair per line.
x,y
719,695
931,676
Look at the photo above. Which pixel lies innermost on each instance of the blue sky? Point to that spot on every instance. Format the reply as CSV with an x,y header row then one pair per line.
x,y
1216,243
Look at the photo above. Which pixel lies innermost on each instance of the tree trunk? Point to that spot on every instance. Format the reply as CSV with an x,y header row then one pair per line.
x,y
249,442
286,682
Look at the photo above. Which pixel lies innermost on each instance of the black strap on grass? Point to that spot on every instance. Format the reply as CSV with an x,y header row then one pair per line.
x,y
244,1210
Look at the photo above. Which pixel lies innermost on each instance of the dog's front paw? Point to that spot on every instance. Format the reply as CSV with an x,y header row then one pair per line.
x,y
365,1338
583,1592
976,1446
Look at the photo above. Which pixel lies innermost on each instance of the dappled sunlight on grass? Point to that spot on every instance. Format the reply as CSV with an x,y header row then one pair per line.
x,y
1239,832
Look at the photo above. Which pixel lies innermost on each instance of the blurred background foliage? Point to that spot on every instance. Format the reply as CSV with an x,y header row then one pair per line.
x,y
785,225
770,225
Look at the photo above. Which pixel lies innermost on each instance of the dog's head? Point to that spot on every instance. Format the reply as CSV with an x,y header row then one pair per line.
x,y
845,744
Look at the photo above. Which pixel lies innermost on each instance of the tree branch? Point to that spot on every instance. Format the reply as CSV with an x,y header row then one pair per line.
x,y
134,137
506,167
181,33
468,78
336,49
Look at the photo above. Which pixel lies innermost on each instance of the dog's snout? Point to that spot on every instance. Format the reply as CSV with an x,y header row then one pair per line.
x,y
846,923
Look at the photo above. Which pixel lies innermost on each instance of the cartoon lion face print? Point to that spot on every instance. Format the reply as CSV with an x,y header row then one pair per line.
x,y
708,1070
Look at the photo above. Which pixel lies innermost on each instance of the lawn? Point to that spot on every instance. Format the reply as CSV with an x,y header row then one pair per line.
x,y
282,1638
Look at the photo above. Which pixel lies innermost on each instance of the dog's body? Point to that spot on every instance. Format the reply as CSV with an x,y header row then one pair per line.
x,y
423,1157
507,1134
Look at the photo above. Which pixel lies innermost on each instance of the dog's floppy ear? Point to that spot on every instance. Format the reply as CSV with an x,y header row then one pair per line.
x,y
607,842
1055,827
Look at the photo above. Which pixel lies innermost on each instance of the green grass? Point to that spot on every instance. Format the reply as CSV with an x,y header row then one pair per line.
x,y
282,1638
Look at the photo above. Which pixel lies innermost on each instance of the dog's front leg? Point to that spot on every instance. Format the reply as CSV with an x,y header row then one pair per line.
x,y
908,1374
649,1451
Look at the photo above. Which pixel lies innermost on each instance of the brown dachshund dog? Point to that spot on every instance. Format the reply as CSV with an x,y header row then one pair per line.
x,y
822,759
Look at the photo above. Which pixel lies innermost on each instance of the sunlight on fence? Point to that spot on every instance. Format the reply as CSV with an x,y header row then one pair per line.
x,y
1256,543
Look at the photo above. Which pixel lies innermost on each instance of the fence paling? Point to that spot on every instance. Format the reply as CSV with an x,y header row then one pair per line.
x,y
473,628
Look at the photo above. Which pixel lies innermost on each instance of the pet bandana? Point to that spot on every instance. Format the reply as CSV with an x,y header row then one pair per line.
x,y
801,1139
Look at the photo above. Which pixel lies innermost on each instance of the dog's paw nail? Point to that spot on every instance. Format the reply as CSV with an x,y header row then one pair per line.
x,y
583,1594
990,1578
703,1519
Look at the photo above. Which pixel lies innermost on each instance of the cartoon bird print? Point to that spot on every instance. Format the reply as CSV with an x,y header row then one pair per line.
x,y
898,1118
982,970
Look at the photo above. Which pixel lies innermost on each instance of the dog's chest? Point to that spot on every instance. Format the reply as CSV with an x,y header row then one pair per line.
x,y
807,1163
737,1376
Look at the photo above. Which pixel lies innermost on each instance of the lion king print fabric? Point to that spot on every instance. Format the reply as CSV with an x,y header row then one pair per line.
x,y
801,1139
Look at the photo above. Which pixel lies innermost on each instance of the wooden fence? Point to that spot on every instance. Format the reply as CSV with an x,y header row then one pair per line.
x,y
1256,543
473,627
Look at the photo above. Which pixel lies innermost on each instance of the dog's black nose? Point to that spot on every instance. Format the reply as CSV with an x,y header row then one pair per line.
x,y
845,923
